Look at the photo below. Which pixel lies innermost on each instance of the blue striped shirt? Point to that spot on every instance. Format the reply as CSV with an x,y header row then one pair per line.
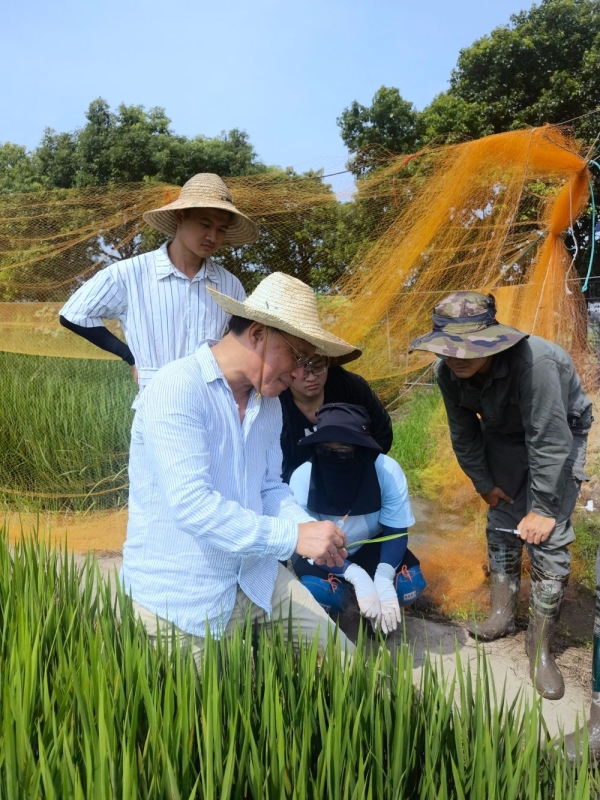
x,y
163,313
208,511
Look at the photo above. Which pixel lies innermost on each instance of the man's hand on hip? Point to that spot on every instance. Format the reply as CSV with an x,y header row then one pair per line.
x,y
535,529
134,374
492,498
322,541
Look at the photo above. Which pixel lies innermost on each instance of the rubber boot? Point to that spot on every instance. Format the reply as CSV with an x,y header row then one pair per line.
x,y
547,594
505,578
574,741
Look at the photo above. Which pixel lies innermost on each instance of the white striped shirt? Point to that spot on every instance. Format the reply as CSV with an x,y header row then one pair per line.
x,y
163,313
208,511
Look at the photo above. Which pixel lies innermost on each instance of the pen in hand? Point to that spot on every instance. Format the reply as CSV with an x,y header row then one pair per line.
x,y
508,530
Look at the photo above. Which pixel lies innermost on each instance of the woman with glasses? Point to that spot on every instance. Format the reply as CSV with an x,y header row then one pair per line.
x,y
349,481
326,381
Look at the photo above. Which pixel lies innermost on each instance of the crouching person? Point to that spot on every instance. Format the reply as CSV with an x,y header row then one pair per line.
x,y
209,515
350,482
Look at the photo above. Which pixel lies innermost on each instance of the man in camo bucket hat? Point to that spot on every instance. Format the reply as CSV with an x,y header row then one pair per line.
x,y
519,421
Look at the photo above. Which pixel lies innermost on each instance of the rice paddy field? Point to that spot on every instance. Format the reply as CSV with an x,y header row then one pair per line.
x,y
89,709
64,438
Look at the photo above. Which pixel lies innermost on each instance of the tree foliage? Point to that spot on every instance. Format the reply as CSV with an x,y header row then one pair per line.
x,y
540,68
130,145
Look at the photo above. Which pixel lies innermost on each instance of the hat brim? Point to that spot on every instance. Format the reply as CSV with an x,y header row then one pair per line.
x,y
336,433
326,343
241,231
337,361
486,342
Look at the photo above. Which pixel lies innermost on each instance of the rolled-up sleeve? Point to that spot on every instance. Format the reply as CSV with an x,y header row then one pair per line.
x,y
102,297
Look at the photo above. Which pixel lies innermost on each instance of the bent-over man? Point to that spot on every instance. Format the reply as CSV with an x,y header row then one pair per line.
x,y
209,516
519,422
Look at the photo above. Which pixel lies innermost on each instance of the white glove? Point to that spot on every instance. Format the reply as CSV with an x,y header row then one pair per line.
x,y
366,593
391,615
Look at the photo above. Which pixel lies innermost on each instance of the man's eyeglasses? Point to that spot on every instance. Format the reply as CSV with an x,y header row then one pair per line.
x,y
301,361
343,454
316,371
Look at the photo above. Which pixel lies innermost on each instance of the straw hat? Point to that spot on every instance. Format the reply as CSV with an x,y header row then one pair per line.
x,y
205,190
465,326
283,302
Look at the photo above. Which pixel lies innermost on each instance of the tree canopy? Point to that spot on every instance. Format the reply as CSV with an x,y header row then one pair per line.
x,y
541,67
130,145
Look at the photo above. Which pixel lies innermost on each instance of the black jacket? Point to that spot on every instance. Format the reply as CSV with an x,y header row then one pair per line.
x,y
340,387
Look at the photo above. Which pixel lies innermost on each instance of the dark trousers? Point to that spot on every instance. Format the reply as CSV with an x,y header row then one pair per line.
x,y
507,460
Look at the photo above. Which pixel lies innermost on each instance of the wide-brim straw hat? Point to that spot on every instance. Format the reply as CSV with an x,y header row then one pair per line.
x,y
205,190
283,302
465,326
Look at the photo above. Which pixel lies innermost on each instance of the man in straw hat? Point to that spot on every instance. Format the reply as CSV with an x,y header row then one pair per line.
x,y
209,517
161,298
519,421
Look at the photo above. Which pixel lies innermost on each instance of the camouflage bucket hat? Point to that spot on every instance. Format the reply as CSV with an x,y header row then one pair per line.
x,y
465,326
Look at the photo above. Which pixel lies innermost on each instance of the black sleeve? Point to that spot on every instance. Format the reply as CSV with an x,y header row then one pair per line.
x,y
348,387
102,338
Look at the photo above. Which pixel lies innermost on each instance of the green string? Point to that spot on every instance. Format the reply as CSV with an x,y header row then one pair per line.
x,y
352,545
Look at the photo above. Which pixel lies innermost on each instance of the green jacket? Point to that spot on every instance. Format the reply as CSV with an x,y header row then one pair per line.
x,y
533,395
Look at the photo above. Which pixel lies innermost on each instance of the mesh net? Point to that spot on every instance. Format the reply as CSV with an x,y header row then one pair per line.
x,y
489,215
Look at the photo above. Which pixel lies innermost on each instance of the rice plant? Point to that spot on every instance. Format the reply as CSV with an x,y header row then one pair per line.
x,y
413,446
89,709
64,440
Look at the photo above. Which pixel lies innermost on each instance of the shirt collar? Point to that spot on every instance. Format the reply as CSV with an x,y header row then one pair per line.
x,y
211,371
165,267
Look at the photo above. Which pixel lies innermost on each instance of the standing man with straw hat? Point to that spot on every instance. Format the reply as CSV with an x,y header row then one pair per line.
x,y
519,422
161,298
209,516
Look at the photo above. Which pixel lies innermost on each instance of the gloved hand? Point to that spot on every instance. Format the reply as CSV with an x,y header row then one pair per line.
x,y
390,607
366,593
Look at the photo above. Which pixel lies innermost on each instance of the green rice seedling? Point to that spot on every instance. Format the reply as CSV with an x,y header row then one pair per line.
x,y
413,446
66,441
90,709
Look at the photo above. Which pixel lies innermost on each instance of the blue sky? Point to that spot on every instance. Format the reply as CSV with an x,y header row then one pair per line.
x,y
282,71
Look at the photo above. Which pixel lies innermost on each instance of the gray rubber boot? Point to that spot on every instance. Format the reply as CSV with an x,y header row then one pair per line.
x,y
574,741
547,594
505,578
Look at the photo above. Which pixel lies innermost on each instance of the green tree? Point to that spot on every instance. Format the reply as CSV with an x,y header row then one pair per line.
x,y
313,240
389,125
133,145
309,234
541,67
17,173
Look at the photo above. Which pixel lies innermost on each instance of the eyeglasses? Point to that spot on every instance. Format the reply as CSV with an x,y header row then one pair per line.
x,y
316,371
301,361
343,454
